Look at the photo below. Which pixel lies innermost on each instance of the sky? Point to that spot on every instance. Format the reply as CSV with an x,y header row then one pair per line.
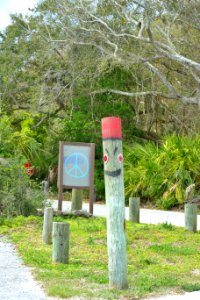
x,y
11,7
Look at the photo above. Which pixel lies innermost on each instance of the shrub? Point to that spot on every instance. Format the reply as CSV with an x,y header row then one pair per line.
x,y
18,194
162,173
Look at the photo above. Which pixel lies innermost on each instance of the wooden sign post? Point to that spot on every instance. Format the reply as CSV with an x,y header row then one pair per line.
x,y
114,186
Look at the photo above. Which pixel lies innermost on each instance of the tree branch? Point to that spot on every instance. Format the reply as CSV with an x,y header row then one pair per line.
x,y
184,99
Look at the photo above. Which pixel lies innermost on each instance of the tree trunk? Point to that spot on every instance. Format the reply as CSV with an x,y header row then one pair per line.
x,y
134,209
77,199
60,251
47,225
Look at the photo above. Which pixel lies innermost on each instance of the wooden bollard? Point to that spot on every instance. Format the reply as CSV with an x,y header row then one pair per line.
x,y
47,225
134,209
77,199
60,251
191,217
115,202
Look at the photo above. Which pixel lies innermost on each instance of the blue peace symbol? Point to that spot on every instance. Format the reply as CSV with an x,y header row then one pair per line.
x,y
76,165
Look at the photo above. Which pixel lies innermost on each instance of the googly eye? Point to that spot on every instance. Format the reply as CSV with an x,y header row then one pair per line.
x,y
105,158
120,158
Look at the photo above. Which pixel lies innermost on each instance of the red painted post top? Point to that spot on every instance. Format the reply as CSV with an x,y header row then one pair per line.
x,y
111,128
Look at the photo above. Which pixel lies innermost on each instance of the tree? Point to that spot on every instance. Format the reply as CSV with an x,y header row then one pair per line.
x,y
72,62
76,48
150,40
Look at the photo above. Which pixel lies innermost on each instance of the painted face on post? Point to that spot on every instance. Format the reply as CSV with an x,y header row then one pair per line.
x,y
113,160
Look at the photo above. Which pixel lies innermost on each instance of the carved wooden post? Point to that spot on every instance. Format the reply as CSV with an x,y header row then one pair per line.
x,y
77,199
191,217
115,202
134,209
47,225
60,251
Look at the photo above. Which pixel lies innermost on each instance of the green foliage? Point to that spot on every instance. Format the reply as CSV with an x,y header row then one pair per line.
x,y
20,138
18,194
6,136
167,226
30,142
191,287
66,89
162,173
59,79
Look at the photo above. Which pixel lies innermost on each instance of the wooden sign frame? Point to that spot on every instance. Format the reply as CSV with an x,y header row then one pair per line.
x,y
61,186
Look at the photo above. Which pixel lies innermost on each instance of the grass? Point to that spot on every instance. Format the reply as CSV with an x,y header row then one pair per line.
x,y
161,258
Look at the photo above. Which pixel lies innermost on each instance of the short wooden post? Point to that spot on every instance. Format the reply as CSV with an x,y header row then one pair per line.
x,y
45,186
115,202
47,225
77,199
191,217
60,251
134,209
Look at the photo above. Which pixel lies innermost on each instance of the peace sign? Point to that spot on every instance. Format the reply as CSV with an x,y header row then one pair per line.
x,y
76,165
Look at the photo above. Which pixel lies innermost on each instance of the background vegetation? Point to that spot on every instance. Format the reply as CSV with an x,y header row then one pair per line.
x,y
18,194
69,63
161,173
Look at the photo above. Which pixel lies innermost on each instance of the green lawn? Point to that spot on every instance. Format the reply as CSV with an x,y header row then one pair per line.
x,y
161,258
